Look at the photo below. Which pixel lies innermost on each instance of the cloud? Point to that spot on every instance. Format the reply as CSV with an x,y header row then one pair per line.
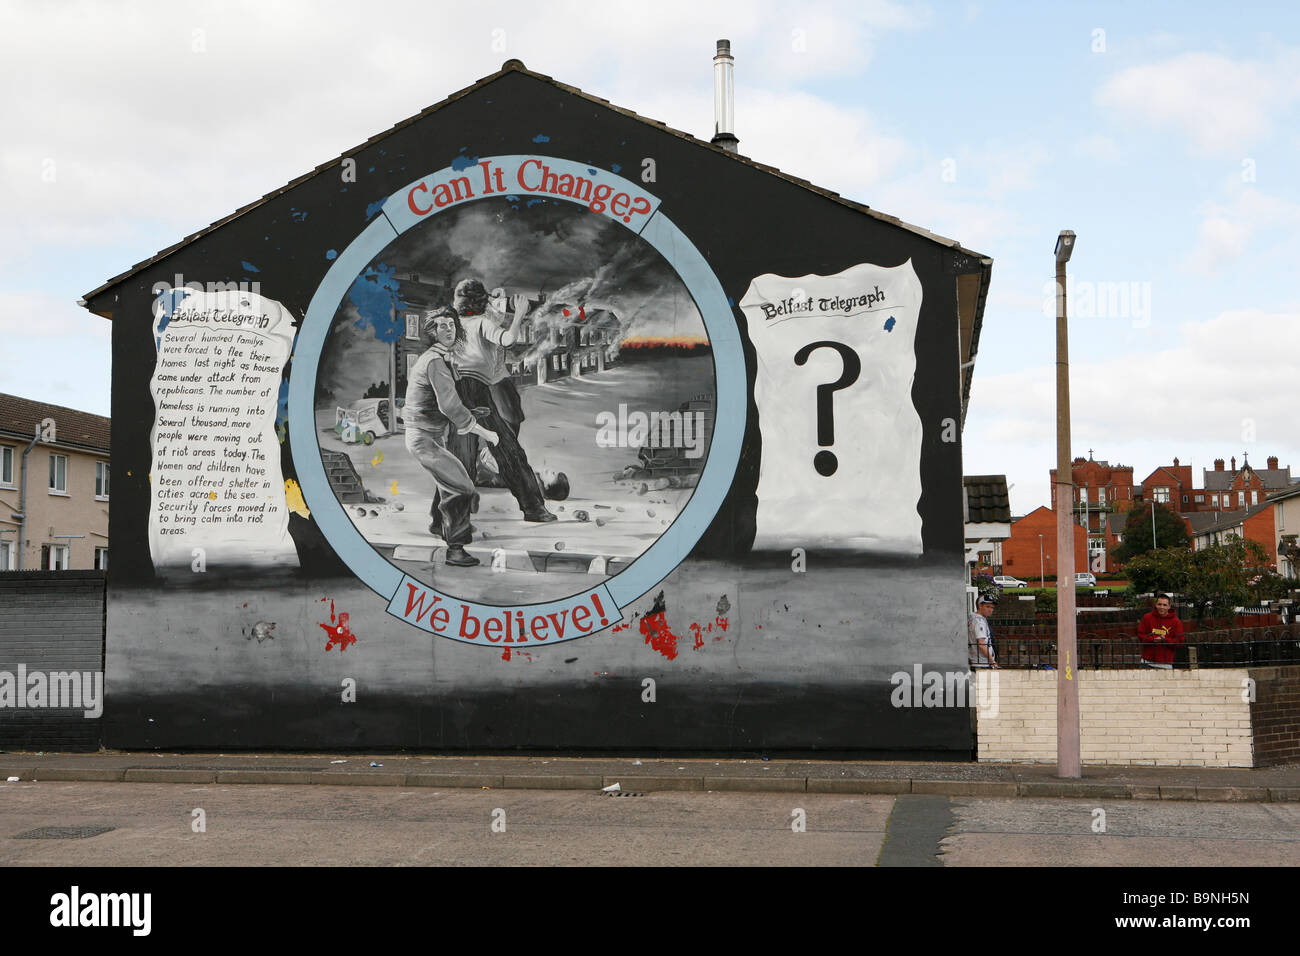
x,y
1135,405
1227,228
1223,106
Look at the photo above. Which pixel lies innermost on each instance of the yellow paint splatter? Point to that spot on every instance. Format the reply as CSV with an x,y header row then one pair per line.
x,y
293,498
212,496
394,487
379,456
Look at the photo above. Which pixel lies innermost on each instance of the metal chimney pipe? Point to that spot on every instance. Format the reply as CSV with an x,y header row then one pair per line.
x,y
724,112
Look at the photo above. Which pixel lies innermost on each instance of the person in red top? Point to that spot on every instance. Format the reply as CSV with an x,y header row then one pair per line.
x,y
1160,632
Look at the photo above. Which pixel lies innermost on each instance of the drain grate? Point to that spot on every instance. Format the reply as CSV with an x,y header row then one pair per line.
x,y
623,793
62,833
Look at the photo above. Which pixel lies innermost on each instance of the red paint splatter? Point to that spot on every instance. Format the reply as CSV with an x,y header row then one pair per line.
x,y
505,655
582,314
621,627
722,622
699,640
657,633
331,600
339,633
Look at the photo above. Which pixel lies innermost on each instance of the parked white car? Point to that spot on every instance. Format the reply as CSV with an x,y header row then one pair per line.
x,y
1003,581
1083,579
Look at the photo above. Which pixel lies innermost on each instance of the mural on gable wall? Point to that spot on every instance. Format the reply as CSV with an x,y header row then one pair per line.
x,y
513,452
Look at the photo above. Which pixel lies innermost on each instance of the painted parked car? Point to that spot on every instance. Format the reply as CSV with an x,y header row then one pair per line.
x,y
1003,581
363,421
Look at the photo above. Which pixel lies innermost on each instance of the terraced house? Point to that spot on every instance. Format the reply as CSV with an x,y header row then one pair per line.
x,y
54,487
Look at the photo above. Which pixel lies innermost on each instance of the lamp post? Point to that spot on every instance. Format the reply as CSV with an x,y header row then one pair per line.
x,y
1067,658
1042,578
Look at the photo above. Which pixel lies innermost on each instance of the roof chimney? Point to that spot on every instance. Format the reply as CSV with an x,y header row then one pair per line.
x,y
1234,462
1272,463
1218,464
1175,462
724,110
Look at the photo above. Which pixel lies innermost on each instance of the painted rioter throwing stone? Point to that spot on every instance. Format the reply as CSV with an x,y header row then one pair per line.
x,y
433,413
479,362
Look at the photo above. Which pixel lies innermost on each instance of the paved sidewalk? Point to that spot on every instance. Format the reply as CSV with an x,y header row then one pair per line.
x,y
1270,784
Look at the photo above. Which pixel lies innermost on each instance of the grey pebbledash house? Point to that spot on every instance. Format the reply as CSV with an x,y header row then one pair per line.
x,y
754,389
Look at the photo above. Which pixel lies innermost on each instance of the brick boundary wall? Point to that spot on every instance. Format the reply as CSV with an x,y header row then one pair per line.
x,y
1275,715
51,621
1140,717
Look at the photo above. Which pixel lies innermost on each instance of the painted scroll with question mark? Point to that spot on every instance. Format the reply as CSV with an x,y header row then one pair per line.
x,y
841,461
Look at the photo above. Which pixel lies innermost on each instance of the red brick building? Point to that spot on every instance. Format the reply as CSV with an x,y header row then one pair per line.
x,y
1257,523
1101,490
1171,486
1232,489
1034,537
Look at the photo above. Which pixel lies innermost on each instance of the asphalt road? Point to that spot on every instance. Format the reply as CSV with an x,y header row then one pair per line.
x,y
154,825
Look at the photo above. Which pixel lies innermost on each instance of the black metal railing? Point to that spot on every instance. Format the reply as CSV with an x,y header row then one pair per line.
x,y
1114,654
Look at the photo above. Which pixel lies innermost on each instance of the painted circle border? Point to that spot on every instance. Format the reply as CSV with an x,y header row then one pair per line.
x,y
668,240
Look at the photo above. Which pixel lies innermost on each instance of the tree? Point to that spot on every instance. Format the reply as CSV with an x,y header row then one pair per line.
x,y
1171,532
1224,576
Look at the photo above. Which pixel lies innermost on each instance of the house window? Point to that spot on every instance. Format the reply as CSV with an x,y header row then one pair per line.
x,y
6,555
101,559
59,474
6,465
1184,499
54,557
412,325
1254,497
1215,500
1101,496
1241,499
1161,495
411,359
101,480
1200,499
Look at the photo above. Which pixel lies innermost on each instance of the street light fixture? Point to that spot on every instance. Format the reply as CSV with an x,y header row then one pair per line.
x,y
1067,659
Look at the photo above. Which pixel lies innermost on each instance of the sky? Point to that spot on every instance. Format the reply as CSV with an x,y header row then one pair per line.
x,y
1166,135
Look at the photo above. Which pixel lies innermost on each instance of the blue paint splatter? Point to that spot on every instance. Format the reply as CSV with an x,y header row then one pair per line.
x,y
731,302
889,324
615,167
533,202
591,171
168,301
513,198
378,300
331,254
282,406
463,162
539,138
298,214
249,267
371,169
374,207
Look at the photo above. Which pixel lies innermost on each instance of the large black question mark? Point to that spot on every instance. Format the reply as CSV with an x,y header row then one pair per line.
x,y
825,461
